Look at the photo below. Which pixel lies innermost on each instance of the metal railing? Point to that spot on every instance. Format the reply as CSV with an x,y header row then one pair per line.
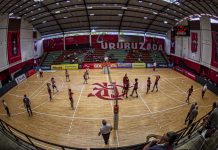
x,y
33,143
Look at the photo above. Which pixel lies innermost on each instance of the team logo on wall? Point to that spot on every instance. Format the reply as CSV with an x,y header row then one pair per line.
x,y
194,44
14,44
107,91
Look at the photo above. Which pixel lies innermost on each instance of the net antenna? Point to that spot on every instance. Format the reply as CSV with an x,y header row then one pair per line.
x,y
100,38
115,97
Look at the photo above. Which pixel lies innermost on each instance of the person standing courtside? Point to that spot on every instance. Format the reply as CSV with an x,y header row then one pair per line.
x,y
135,88
105,131
204,90
6,107
27,103
190,110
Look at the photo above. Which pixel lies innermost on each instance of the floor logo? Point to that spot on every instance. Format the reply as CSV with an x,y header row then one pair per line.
x,y
107,91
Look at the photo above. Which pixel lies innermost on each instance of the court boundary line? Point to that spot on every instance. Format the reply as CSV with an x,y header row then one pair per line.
x,y
75,110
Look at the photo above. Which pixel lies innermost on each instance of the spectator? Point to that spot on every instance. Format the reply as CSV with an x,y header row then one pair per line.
x,y
190,110
105,131
193,115
165,142
6,107
213,118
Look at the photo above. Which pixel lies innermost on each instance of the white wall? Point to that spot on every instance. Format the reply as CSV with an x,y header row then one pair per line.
x,y
168,42
3,42
26,40
206,45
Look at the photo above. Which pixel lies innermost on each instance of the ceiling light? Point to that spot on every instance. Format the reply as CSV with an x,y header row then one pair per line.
x,y
57,3
155,13
91,14
89,7
119,14
11,14
124,7
31,11
68,1
39,8
38,0
165,22
44,21
93,30
145,18
57,12
150,4
65,17
33,18
140,1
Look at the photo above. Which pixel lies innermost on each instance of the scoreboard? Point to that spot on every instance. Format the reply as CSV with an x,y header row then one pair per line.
x,y
182,31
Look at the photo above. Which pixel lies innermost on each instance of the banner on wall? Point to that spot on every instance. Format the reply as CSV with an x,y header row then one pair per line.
x,y
65,66
14,51
112,42
55,44
214,60
194,42
138,65
20,78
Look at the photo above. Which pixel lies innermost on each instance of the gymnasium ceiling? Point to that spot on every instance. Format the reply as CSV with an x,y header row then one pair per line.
x,y
55,16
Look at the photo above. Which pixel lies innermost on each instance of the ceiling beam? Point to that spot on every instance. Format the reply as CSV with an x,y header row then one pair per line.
x,y
48,10
87,14
160,11
124,10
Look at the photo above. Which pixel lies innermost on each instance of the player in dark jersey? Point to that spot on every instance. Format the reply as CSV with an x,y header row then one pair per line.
x,y
70,93
135,88
53,84
148,85
156,83
27,103
189,93
85,77
126,88
67,75
49,91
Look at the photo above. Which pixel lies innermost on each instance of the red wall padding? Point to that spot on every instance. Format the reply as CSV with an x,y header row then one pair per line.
x,y
56,44
83,39
190,64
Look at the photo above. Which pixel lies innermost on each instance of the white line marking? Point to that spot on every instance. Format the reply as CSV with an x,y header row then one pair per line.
x,y
75,109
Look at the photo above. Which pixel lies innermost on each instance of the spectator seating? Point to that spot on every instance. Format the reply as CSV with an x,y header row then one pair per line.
x,y
158,57
51,57
116,55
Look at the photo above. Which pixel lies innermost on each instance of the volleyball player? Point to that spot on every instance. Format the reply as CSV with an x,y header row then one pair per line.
x,y
124,81
87,72
204,90
126,87
135,88
190,90
148,85
49,91
67,75
156,83
53,84
70,93
85,77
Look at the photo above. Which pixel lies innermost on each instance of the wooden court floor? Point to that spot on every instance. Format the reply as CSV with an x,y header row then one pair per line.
x,y
55,121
